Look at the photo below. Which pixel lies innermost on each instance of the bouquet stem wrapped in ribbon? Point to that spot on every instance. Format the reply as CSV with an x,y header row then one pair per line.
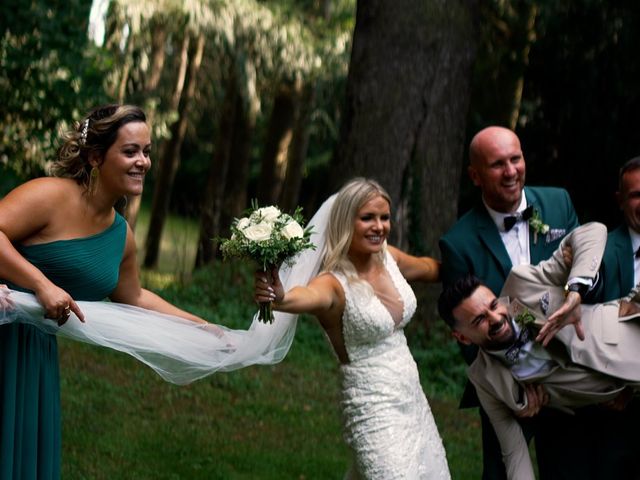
x,y
270,238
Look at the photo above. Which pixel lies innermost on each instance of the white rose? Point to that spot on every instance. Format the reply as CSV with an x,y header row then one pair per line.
x,y
242,223
269,214
292,230
545,228
259,232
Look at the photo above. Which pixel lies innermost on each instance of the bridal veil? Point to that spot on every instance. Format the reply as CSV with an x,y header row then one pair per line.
x,y
180,351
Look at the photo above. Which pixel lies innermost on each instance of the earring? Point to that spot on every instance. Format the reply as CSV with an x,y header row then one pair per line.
x,y
93,180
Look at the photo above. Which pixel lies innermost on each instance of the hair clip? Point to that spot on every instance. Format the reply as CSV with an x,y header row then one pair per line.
x,y
83,132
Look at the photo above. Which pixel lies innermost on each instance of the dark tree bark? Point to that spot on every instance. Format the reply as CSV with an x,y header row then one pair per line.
x,y
228,177
326,9
126,68
217,178
508,32
407,98
235,195
276,145
171,161
434,174
158,54
298,149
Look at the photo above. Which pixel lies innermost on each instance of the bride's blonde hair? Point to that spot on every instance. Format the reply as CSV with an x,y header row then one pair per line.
x,y
349,200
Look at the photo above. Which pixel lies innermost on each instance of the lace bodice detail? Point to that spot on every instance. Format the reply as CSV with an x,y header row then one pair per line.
x,y
367,326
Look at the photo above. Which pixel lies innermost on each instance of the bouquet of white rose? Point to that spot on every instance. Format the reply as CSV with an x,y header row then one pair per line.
x,y
270,238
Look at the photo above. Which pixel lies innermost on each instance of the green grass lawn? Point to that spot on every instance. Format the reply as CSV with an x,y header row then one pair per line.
x,y
120,420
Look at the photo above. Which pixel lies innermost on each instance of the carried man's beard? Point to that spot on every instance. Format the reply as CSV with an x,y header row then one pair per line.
x,y
501,343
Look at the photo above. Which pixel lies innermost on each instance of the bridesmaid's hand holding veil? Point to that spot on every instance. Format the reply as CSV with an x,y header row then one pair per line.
x,y
57,304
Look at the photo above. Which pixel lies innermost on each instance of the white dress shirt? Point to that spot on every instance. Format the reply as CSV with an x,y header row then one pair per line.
x,y
635,244
516,240
533,359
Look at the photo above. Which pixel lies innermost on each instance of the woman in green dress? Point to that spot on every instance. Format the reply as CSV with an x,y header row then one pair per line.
x,y
61,239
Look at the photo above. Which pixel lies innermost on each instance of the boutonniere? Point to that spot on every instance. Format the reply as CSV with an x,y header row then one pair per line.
x,y
538,225
525,319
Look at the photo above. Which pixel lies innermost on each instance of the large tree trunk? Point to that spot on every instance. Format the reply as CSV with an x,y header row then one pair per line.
x,y
276,145
158,44
171,161
227,188
408,85
298,149
434,177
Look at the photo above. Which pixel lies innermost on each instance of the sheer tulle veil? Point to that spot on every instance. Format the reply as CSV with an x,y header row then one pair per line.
x,y
178,350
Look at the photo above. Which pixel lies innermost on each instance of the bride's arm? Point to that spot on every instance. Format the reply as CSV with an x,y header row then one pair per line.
x,y
424,269
321,295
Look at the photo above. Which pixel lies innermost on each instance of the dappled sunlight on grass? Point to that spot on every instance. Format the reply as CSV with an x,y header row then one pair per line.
x,y
157,280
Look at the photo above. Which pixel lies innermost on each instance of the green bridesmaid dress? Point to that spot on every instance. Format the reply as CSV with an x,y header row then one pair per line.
x,y
30,427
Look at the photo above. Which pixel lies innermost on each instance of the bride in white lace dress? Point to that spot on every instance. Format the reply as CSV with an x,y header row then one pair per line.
x,y
363,301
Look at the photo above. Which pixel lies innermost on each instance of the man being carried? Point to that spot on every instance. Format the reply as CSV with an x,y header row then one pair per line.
x,y
523,345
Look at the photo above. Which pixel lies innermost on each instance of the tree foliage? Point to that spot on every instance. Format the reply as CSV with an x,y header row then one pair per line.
x,y
50,76
579,118
572,96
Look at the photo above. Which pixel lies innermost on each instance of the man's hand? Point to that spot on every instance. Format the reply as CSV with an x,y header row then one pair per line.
x,y
568,313
536,399
628,308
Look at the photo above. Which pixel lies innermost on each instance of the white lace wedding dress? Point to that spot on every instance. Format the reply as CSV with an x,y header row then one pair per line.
x,y
388,422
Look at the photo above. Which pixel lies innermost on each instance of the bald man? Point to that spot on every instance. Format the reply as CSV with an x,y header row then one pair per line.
x,y
512,225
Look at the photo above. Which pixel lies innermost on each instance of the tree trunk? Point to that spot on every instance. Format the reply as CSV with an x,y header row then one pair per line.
x,y
525,30
217,178
126,67
158,44
508,34
158,53
171,161
298,149
235,197
182,72
408,88
235,194
326,8
276,145
434,176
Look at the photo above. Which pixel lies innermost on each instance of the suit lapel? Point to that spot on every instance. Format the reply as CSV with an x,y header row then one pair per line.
x,y
536,249
488,233
623,252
